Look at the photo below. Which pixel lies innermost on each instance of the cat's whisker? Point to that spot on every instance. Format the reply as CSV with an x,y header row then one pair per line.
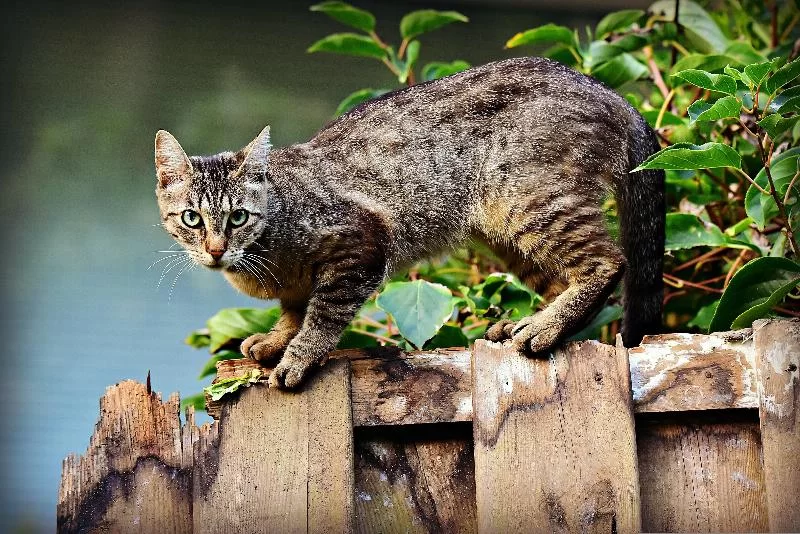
x,y
250,268
254,257
190,265
165,258
171,265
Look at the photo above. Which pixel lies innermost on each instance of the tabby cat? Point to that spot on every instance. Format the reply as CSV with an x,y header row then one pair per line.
x,y
519,154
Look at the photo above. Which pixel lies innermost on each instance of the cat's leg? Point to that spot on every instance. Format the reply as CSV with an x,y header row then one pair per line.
x,y
270,345
341,287
581,258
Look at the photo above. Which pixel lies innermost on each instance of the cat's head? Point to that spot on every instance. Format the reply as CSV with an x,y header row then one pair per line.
x,y
213,205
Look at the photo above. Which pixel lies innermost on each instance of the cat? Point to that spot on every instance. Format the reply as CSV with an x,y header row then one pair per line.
x,y
519,154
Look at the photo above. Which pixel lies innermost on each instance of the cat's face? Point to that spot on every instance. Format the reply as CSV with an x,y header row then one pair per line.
x,y
213,205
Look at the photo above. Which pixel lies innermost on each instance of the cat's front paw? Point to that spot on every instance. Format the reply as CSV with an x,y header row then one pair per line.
x,y
500,331
290,372
534,335
264,348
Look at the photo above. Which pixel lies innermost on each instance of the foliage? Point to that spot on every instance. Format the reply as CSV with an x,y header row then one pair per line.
x,y
721,89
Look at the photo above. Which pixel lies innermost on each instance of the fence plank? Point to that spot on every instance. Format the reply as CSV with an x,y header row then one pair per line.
x,y
135,475
777,346
701,473
555,447
420,481
263,474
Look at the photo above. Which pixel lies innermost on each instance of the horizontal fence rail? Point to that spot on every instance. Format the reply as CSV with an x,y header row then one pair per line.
x,y
683,433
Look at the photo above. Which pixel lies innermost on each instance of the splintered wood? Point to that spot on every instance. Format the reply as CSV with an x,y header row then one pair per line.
x,y
459,441
555,449
137,471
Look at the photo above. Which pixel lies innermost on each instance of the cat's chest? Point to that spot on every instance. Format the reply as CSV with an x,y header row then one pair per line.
x,y
259,287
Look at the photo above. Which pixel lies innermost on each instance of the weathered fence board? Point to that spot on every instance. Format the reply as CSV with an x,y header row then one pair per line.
x,y
777,344
555,448
136,472
419,481
699,474
283,463
387,441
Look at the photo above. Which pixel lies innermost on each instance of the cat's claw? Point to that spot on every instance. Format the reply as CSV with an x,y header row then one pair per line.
x,y
262,348
290,372
530,335
499,331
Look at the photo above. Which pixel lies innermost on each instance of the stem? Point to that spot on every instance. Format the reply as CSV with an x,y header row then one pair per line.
x,y
391,66
734,267
744,174
678,30
680,48
576,55
664,106
402,49
679,283
787,312
699,259
378,39
375,336
774,24
789,189
655,72
789,27
411,80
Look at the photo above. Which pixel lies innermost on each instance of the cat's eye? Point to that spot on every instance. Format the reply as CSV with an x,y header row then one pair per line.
x,y
238,218
191,219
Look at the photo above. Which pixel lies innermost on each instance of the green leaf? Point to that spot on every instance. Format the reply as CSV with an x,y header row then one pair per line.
x,y
620,70
606,315
412,54
752,292
426,20
725,107
448,336
617,20
221,388
688,156
775,125
210,367
744,53
350,44
198,402
359,97
233,324
783,76
198,339
704,315
668,119
600,52
755,74
685,230
347,14
436,70
698,26
713,82
549,33
419,308
760,207
709,63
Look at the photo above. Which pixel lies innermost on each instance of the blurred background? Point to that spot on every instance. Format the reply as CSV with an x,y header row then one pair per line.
x,y
85,88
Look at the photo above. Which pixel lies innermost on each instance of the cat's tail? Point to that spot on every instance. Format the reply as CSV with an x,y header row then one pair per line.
x,y
642,214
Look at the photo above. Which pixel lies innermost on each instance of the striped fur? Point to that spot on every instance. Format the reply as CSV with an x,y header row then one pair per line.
x,y
519,154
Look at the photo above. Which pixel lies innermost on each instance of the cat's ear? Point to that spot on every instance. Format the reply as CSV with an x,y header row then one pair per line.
x,y
256,155
172,163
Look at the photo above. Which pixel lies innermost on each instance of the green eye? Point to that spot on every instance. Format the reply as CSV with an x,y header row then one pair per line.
x,y
192,219
238,218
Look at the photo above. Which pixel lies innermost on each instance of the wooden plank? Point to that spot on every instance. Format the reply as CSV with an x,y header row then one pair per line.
x,y
265,470
670,373
777,347
555,448
136,473
419,479
701,473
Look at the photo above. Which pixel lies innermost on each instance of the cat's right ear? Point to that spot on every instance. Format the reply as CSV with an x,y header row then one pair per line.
x,y
172,163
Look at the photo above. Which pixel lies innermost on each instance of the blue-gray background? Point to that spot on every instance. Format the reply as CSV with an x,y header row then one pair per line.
x,y
85,87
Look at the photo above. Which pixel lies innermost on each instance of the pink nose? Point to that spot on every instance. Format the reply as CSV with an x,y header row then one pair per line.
x,y
216,254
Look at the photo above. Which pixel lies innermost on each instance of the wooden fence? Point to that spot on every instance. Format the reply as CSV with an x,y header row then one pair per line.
x,y
695,433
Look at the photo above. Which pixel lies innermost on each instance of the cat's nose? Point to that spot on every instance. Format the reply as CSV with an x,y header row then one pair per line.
x,y
216,253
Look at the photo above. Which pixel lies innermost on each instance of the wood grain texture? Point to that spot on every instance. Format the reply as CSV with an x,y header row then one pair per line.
x,y
670,373
136,473
420,480
777,347
682,372
701,473
279,462
555,449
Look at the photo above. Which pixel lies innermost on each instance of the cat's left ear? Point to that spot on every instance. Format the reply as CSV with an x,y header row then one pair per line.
x,y
172,163
256,155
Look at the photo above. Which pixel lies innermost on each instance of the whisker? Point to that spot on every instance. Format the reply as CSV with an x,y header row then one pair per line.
x,y
254,257
172,286
250,268
171,265
165,258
